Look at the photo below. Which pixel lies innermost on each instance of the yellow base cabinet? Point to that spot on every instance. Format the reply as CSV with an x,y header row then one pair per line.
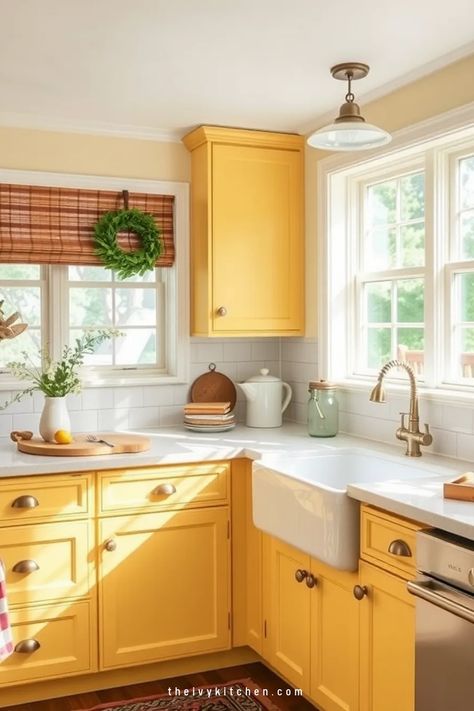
x,y
247,232
387,650
164,587
312,626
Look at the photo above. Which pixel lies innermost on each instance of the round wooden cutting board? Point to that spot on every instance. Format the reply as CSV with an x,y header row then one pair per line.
x,y
214,387
80,447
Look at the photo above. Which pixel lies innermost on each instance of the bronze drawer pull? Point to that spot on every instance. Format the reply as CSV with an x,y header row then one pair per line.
x,y
27,646
301,575
25,566
221,311
360,591
27,501
164,490
110,545
311,581
400,548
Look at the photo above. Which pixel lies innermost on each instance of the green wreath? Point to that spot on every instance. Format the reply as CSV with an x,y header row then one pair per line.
x,y
127,264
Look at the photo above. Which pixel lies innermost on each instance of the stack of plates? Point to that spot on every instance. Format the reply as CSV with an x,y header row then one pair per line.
x,y
208,417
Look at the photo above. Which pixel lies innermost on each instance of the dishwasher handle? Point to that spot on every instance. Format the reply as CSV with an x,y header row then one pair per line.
x,y
443,596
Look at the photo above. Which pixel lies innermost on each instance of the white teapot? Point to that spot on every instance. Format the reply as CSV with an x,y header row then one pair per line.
x,y
265,404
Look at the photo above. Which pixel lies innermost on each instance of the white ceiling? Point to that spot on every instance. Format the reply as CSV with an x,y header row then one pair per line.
x,y
152,67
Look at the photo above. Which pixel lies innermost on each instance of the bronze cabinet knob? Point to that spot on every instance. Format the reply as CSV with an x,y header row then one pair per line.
x,y
27,646
25,566
221,311
27,501
311,581
301,575
360,591
400,548
110,545
164,490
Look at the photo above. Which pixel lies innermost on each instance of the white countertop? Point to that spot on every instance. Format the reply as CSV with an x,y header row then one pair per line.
x,y
419,499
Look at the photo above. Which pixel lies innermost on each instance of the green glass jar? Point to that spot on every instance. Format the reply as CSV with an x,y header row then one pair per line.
x,y
323,412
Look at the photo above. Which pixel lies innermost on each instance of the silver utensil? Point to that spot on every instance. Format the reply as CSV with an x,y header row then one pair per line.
x,y
93,438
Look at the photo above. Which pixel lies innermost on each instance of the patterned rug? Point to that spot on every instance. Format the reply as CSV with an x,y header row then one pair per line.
x,y
241,695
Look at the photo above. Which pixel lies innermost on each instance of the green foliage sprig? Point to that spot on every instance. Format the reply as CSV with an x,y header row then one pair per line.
x,y
127,264
57,378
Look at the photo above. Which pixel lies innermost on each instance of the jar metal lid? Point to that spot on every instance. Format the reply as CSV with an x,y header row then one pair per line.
x,y
321,385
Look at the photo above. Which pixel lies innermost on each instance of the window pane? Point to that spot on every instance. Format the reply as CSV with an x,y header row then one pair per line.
x,y
20,271
412,238
466,284
410,301
467,235
382,203
379,304
148,277
83,273
412,338
466,182
90,307
25,299
381,248
378,347
135,307
12,349
466,360
136,347
412,197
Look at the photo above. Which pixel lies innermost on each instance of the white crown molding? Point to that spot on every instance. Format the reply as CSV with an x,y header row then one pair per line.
x,y
391,86
62,125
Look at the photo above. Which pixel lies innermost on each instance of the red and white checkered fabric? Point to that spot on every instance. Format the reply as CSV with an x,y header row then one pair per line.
x,y
6,641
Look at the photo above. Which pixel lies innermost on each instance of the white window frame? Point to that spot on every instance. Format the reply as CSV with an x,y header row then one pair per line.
x,y
433,142
175,279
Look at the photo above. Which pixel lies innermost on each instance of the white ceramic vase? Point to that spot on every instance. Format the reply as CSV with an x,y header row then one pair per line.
x,y
54,417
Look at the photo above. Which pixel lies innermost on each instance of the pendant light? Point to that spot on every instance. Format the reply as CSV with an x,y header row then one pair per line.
x,y
349,131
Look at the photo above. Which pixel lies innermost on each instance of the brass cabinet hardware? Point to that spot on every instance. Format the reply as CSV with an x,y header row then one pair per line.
x,y
221,311
311,581
164,490
360,591
110,545
27,646
25,566
27,501
400,548
301,575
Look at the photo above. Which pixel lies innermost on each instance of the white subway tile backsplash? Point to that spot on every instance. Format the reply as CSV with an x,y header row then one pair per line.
x,y
444,442
171,416
154,395
84,421
265,350
97,398
6,425
237,351
26,422
128,397
465,447
459,419
207,352
115,419
143,417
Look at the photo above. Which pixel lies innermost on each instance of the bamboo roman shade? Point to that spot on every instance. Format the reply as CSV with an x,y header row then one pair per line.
x,y
43,225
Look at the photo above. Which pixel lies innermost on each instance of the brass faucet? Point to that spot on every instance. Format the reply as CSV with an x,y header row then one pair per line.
x,y
411,434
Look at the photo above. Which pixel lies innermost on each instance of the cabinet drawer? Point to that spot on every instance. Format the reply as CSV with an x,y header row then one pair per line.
x,y
64,636
48,561
35,498
389,541
158,488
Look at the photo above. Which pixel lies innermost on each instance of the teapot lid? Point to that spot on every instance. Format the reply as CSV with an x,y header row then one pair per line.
x,y
263,377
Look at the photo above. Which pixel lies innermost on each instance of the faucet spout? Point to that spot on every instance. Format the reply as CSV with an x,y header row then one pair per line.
x,y
411,434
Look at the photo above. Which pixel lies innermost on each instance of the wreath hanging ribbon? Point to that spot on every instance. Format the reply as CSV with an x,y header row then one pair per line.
x,y
127,264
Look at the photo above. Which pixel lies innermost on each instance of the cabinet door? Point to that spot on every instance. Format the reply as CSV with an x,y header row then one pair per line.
x,y
164,586
334,639
387,650
257,239
287,604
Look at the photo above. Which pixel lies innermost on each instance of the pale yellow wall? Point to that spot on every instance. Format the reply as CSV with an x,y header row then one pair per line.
x,y
441,91
25,149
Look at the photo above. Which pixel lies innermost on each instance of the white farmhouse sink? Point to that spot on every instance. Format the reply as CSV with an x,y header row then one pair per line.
x,y
303,499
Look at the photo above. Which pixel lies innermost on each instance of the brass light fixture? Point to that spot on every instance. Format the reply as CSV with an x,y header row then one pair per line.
x,y
349,131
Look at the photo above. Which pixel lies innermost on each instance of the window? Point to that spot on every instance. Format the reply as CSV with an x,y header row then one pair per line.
x,y
398,263
60,302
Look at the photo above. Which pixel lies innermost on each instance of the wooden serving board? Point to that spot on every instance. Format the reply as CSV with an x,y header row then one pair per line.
x,y
461,488
80,447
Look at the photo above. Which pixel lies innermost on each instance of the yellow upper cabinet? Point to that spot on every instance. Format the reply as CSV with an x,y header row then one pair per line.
x,y
247,232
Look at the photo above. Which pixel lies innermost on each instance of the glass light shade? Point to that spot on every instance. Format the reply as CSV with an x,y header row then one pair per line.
x,y
349,136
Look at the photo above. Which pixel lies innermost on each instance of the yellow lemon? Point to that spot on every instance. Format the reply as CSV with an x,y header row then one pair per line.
x,y
63,437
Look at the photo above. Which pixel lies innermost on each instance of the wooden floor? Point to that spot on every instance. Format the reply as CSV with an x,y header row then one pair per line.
x,y
257,672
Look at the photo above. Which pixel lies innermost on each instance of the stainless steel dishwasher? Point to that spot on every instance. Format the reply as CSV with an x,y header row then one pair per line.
x,y
444,656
